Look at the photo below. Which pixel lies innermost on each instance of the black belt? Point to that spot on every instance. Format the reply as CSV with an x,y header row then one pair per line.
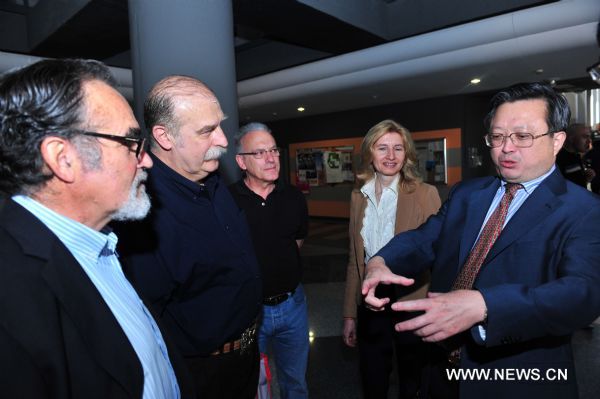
x,y
277,299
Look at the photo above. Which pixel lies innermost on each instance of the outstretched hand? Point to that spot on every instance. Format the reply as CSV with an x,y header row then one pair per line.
x,y
445,314
378,272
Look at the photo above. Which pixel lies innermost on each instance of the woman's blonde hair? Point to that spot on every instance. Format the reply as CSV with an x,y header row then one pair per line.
x,y
409,174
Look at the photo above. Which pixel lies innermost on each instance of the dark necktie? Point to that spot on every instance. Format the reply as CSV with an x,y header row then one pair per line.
x,y
471,268
486,240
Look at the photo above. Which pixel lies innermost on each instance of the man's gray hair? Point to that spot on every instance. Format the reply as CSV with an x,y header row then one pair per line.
x,y
247,128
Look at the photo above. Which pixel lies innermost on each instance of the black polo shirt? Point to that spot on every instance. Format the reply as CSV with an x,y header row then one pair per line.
x,y
192,258
275,224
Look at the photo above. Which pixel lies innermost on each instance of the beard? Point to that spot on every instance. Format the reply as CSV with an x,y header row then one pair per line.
x,y
137,205
214,153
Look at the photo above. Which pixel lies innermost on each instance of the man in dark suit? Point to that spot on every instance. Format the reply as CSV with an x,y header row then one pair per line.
x,y
514,259
71,159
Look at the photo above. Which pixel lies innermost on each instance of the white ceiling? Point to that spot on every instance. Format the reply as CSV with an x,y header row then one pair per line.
x,y
559,38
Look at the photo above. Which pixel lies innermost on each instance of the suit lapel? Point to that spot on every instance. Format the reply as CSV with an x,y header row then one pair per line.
x,y
477,207
79,298
541,203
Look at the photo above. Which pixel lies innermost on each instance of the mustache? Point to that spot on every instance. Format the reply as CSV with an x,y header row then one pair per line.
x,y
215,152
137,205
140,177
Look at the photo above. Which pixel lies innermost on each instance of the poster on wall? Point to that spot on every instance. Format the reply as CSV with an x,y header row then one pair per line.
x,y
320,166
347,172
310,166
333,166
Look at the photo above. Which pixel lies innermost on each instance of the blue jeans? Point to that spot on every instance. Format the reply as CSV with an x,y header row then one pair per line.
x,y
285,328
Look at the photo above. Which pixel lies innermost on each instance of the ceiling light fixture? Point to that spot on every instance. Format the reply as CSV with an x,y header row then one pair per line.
x,y
475,81
300,109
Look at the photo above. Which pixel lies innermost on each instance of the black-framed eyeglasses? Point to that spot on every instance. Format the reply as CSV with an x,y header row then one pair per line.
x,y
519,139
135,144
259,154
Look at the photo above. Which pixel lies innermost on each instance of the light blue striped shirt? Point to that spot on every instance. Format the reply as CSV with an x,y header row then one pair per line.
x,y
95,252
514,206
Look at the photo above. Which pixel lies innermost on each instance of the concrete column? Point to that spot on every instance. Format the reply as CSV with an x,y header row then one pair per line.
x,y
186,37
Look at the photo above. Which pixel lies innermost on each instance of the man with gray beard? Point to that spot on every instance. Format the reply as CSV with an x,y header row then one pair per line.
x,y
193,257
72,159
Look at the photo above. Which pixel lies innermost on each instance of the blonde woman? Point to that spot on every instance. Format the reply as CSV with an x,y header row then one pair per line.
x,y
390,198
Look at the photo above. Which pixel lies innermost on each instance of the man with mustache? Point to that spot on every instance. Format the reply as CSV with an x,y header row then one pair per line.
x,y
71,159
193,256
514,262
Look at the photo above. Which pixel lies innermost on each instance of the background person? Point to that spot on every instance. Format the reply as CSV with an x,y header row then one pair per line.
x,y
593,159
571,158
514,259
391,199
71,159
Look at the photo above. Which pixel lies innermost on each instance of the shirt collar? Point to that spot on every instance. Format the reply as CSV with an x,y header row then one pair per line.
x,y
531,185
208,185
368,189
242,188
76,236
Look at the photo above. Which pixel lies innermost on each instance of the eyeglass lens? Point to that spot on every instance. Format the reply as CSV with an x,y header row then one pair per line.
x,y
518,139
259,154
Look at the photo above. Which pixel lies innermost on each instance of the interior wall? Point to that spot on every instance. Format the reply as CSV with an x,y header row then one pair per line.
x,y
432,114
465,112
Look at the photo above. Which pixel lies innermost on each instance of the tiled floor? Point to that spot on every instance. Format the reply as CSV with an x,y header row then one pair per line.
x,y
333,368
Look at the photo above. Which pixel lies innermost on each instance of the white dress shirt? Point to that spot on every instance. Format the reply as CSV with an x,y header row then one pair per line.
x,y
380,217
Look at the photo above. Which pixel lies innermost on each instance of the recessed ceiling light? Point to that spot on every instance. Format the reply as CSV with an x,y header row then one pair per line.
x,y
300,109
475,81
539,71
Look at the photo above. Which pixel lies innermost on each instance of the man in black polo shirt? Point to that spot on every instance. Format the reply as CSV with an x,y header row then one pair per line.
x,y
278,220
192,257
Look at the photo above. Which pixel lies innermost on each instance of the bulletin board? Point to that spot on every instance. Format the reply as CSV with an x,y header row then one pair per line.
x,y
325,197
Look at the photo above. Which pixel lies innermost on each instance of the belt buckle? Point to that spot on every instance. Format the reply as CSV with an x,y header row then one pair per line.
x,y
247,338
